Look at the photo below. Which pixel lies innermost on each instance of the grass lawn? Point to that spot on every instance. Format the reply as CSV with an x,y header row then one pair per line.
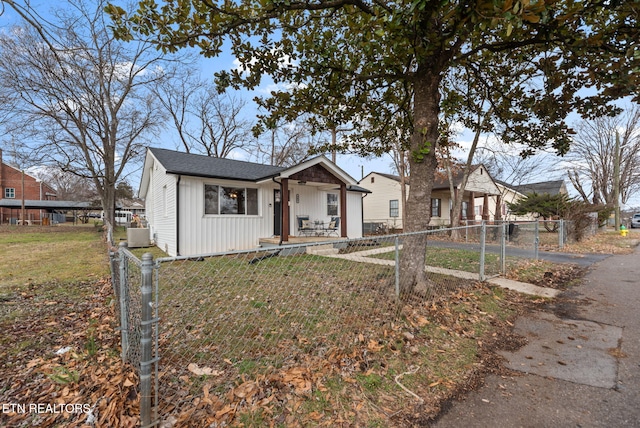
x,y
38,255
456,259
59,341
310,340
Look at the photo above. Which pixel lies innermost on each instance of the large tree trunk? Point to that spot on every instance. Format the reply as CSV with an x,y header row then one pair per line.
x,y
422,165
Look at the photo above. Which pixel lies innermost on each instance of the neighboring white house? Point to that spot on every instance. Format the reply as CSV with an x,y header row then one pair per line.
x,y
513,193
508,196
197,204
383,206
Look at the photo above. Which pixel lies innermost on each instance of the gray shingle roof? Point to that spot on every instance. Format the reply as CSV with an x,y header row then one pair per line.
x,y
550,187
440,182
211,167
354,188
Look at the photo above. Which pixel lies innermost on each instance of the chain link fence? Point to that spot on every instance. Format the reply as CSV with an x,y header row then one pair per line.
x,y
127,282
198,327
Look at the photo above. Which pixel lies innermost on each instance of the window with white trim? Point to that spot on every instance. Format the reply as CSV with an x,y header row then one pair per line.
x,y
435,207
230,200
394,208
10,193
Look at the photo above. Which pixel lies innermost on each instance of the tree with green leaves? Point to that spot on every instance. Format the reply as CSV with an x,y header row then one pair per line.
x,y
361,61
541,204
581,215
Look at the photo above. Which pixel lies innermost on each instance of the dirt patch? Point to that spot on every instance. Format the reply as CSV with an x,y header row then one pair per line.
x,y
559,276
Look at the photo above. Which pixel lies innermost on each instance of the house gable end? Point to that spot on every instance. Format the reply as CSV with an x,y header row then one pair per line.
x,y
481,181
317,174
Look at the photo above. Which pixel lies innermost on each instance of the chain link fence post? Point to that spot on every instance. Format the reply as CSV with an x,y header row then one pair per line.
x,y
113,266
146,326
536,241
124,301
483,242
560,234
397,267
503,248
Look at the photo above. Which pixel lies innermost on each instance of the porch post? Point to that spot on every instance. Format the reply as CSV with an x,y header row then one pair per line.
x,y
471,212
284,206
498,215
343,210
485,207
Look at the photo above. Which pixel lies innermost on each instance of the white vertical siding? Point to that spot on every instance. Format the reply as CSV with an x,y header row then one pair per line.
x,y
311,201
202,234
162,221
354,214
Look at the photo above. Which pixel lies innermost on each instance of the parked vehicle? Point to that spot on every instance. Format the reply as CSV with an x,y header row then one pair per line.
x,y
121,217
635,221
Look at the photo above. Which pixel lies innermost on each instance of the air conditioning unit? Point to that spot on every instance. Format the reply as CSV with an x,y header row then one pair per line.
x,y
138,237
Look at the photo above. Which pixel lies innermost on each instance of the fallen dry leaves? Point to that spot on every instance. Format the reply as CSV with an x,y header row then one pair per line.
x,y
61,365
435,347
355,384
546,274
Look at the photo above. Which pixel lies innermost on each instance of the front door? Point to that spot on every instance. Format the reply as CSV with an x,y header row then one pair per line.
x,y
277,212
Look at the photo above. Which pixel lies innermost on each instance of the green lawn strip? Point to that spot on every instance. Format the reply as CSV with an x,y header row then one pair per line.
x,y
60,257
243,320
455,259
260,310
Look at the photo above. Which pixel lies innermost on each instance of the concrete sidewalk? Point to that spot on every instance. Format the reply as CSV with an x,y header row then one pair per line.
x,y
522,287
580,367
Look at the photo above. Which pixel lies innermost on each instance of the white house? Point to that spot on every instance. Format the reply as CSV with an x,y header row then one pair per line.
x,y
382,208
197,204
511,193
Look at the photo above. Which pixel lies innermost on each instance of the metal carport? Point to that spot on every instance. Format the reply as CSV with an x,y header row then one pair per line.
x,y
50,206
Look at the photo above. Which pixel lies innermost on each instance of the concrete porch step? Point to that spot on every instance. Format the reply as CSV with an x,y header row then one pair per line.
x,y
323,250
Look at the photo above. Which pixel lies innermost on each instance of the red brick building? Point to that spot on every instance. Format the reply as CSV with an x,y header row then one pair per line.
x,y
13,185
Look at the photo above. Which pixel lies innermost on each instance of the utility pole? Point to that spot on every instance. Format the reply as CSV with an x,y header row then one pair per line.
x,y
334,139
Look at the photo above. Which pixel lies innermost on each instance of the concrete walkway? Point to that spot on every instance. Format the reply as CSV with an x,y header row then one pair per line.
x,y
365,257
580,366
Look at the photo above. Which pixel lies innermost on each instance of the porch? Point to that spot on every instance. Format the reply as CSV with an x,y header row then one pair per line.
x,y
318,245
297,240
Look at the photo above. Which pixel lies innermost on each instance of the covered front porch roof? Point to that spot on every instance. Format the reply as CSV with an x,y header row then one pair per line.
x,y
318,172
